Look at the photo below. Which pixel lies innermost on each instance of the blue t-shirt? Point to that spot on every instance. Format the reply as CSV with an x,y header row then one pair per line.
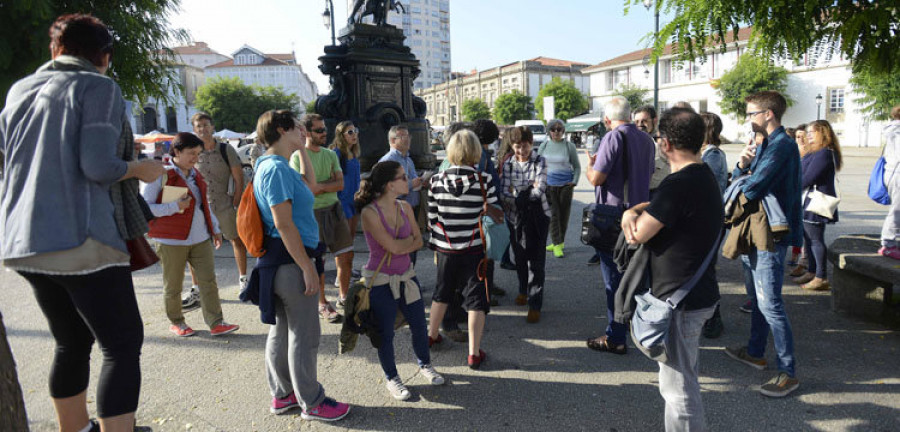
x,y
276,182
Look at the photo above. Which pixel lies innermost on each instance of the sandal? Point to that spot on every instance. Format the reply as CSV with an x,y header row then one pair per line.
x,y
816,285
602,344
327,312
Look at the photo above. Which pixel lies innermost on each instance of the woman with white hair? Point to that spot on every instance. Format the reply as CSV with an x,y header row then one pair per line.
x,y
563,171
455,202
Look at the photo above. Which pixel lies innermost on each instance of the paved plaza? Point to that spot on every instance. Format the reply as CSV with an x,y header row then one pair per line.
x,y
537,377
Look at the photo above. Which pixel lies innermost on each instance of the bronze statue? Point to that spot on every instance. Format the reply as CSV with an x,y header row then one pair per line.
x,y
377,8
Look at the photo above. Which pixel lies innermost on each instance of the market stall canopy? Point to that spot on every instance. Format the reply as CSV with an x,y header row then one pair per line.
x,y
228,134
153,137
580,126
251,136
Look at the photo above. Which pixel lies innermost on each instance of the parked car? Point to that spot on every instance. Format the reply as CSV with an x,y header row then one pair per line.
x,y
537,128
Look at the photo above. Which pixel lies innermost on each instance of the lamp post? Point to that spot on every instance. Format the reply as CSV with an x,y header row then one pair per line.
x,y
819,106
328,18
648,4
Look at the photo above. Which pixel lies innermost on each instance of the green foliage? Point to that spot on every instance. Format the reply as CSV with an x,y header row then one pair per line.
x,y
635,94
310,107
749,75
512,106
237,106
568,100
142,32
879,92
475,109
867,30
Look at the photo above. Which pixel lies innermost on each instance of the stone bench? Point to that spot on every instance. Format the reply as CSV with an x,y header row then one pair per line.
x,y
863,283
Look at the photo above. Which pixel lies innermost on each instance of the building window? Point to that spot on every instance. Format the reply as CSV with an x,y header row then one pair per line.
x,y
836,100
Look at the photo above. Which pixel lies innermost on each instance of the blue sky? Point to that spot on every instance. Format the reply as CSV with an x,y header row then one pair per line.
x,y
484,33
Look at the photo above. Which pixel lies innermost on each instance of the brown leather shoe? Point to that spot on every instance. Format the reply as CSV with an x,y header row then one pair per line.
x,y
817,284
521,300
804,279
533,316
798,271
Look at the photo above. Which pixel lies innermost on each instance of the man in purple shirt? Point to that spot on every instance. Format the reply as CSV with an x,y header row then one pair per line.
x,y
607,172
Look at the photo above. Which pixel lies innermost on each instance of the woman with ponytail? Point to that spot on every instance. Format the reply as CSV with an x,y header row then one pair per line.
x,y
391,235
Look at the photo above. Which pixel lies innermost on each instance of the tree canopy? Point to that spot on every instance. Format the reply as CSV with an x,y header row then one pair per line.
x,y
749,75
879,92
512,106
635,95
141,29
868,32
568,100
475,109
237,106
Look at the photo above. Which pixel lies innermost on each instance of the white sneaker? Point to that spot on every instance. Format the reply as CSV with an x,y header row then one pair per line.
x,y
431,375
190,299
397,389
243,281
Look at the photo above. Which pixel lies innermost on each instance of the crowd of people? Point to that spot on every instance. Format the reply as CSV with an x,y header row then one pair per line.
x,y
666,174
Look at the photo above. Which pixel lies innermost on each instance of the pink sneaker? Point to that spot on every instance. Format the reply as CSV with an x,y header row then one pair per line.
x,y
890,252
223,328
329,410
285,404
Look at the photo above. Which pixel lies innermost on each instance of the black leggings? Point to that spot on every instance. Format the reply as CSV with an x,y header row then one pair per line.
x,y
80,309
814,243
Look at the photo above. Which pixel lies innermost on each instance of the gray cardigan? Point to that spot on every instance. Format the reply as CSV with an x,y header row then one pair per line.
x,y
58,136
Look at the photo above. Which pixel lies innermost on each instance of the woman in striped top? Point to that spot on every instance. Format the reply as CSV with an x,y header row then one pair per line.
x,y
454,205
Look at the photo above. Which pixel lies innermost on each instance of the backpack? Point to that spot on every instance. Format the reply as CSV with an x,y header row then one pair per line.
x,y
249,223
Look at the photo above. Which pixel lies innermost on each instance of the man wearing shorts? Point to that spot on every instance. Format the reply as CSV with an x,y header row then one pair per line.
x,y
333,228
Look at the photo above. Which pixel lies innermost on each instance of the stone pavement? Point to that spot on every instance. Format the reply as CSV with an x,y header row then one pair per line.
x,y
537,377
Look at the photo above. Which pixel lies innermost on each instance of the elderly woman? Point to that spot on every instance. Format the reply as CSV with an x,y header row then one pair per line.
x,y
67,151
820,166
454,206
563,172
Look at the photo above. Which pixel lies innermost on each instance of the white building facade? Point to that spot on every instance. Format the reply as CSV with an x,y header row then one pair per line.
x,y
170,117
426,26
821,71
527,76
253,67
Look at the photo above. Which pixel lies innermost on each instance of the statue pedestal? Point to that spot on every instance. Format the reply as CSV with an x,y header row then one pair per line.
x,y
372,75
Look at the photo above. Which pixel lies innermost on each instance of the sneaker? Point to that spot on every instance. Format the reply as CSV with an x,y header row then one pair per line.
x,y
890,252
740,354
341,302
431,375
432,342
551,247
285,404
182,330
558,250
780,386
521,299
595,260
190,300
397,389
223,328
747,307
713,327
355,275
327,312
475,361
329,410
243,281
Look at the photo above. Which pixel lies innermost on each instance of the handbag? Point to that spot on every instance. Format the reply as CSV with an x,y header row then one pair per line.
x,y
652,316
142,254
878,192
821,203
601,224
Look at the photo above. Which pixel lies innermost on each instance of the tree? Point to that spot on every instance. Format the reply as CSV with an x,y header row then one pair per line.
x,y
311,107
568,100
237,106
635,95
512,106
749,75
879,93
141,28
475,109
867,31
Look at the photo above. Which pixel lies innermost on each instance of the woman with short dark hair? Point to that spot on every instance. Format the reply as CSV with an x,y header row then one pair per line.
x,y
69,204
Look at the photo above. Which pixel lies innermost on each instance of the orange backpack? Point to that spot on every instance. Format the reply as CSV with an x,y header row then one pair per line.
x,y
249,223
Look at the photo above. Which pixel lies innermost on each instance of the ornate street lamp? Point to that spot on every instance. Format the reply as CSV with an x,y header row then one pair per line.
x,y
648,4
819,106
328,19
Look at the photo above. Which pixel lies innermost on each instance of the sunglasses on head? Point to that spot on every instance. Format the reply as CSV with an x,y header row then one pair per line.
x,y
320,130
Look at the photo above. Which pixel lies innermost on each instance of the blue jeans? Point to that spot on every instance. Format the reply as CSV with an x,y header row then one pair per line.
x,y
615,332
385,307
763,277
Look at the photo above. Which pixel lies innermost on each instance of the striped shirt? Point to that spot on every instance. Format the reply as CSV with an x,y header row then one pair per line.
x,y
454,205
519,176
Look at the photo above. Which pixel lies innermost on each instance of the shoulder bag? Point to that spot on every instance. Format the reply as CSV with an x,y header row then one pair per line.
x,y
821,203
602,223
878,192
652,316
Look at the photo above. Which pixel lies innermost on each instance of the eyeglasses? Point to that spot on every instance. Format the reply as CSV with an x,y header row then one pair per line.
x,y
556,130
319,130
753,113
351,132
402,177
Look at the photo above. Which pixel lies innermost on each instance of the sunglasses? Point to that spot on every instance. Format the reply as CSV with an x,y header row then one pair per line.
x,y
351,132
320,130
556,130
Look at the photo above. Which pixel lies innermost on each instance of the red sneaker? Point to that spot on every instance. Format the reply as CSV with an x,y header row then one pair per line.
x,y
432,342
329,410
181,330
475,361
890,252
285,404
223,328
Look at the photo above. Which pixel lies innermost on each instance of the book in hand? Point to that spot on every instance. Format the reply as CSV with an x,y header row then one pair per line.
x,y
173,193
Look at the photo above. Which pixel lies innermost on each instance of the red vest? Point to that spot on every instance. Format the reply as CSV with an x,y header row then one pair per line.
x,y
178,225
